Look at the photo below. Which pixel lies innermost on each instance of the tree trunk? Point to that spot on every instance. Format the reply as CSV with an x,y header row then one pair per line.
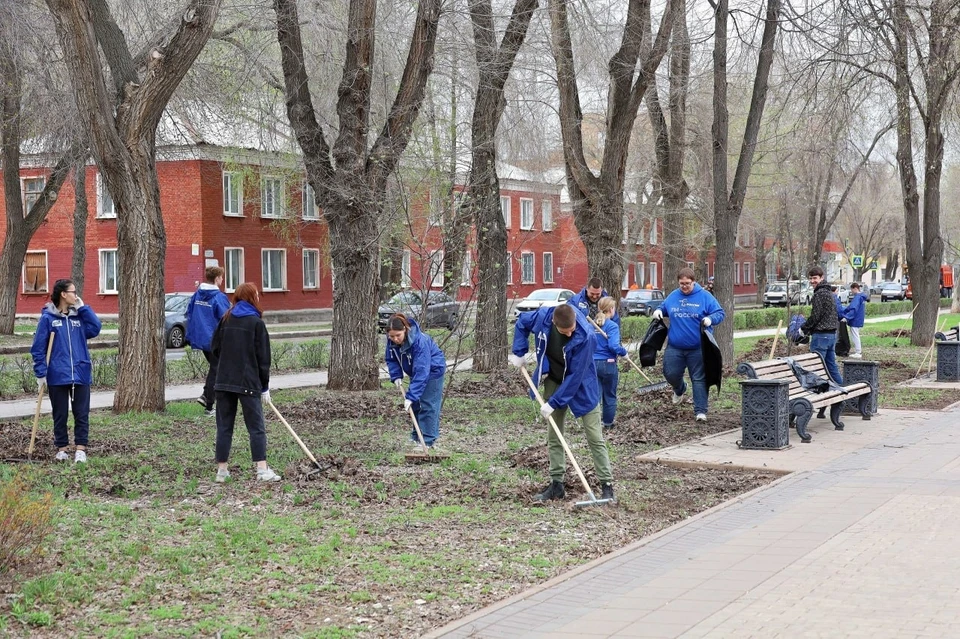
x,y
599,223
80,213
760,265
893,261
491,329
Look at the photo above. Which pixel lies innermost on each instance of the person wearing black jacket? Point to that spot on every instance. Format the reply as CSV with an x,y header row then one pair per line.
x,y
242,348
822,324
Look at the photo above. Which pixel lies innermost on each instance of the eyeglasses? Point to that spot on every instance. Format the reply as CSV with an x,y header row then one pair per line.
x,y
74,291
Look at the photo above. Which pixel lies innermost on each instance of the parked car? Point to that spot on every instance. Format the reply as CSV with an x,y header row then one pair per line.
x,y
892,291
642,301
875,288
843,293
442,311
776,294
543,297
175,319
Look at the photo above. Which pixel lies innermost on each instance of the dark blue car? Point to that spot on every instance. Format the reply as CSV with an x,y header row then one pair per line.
x,y
643,301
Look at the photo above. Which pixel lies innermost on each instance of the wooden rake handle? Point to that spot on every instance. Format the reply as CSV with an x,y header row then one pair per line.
x,y
627,356
413,418
36,415
293,433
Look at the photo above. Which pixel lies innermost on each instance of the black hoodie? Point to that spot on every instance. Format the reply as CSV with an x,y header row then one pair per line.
x,y
823,314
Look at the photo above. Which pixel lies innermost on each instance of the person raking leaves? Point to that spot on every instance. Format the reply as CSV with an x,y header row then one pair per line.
x,y
411,351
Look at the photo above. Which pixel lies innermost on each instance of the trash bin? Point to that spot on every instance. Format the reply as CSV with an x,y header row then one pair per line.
x,y
948,361
861,370
765,414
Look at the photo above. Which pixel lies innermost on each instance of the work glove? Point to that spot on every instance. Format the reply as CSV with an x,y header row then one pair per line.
x,y
398,383
546,410
407,404
657,314
41,382
265,396
800,333
707,322
843,319
516,360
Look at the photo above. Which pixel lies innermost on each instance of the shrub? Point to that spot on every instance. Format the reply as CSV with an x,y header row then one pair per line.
x,y
279,352
24,522
312,354
104,369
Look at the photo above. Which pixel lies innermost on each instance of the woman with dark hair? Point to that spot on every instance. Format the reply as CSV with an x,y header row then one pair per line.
x,y
69,373
242,348
411,351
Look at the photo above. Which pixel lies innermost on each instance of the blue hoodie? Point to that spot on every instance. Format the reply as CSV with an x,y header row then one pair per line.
x,y
207,306
582,304
419,357
70,359
608,347
686,311
856,311
579,391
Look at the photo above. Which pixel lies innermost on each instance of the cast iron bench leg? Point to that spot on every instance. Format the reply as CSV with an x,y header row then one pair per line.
x,y
821,414
835,415
862,405
802,410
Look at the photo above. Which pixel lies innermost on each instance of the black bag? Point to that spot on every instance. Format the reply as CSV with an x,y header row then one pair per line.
x,y
712,358
843,340
652,342
813,382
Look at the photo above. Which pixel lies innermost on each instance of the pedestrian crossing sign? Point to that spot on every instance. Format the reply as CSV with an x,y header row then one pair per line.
x,y
856,261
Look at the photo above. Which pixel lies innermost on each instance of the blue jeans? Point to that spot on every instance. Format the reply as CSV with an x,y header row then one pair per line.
x,y
60,399
427,411
826,345
675,360
608,374
252,418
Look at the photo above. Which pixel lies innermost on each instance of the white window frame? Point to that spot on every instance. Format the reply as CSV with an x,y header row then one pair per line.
x,y
509,268
434,210
104,290
466,270
46,273
547,267
653,232
309,210
736,273
313,270
747,272
654,274
232,185
405,269
277,210
283,270
505,209
533,268
690,265
229,286
626,228
625,284
639,274
435,268
28,196
526,214
546,215
101,190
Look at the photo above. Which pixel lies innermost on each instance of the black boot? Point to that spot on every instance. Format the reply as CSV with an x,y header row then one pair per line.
x,y
606,491
553,491
822,413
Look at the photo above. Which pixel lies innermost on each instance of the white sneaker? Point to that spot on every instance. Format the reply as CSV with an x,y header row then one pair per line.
x,y
677,398
857,356
701,417
62,456
222,475
267,474
80,457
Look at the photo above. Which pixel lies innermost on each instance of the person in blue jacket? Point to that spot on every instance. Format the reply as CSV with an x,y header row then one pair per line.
x,y
689,306
411,351
855,313
207,306
587,299
608,348
69,374
564,353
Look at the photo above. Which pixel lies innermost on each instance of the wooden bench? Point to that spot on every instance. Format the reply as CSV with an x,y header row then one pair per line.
x,y
952,335
802,401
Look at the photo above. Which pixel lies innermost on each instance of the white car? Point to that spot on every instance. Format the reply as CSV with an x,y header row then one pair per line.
x,y
843,293
542,297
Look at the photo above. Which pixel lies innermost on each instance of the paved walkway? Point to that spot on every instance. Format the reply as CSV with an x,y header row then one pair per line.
x,y
858,541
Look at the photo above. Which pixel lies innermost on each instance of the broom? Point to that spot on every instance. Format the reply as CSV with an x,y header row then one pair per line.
x,y
651,387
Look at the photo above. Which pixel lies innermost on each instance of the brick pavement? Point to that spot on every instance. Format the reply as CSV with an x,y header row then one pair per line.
x,y
858,541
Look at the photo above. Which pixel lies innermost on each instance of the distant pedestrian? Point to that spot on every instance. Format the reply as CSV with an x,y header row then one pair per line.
x,y
689,307
855,313
587,299
608,348
69,374
822,324
709,286
411,351
206,308
241,346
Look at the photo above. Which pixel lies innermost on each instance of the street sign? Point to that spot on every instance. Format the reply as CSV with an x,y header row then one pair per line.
x,y
856,261
874,266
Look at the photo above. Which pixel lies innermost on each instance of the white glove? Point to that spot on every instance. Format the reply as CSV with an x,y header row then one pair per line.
x,y
657,314
799,332
41,382
398,383
79,303
707,322
407,404
843,319
546,410
265,396
516,360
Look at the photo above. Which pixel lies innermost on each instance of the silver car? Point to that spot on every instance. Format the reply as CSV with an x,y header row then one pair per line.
x,y
441,310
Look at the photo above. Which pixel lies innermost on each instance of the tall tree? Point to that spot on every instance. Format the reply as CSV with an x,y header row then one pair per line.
x,y
120,115
597,199
494,63
80,214
728,204
350,179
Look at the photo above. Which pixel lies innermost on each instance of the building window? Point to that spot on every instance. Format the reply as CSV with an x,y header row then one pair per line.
x,y
310,210
653,275
526,214
546,215
35,272
638,274
548,268
527,269
466,272
108,270
435,269
232,194
405,269
311,268
736,273
690,265
271,197
232,268
625,282
626,229
747,272
509,268
505,209
105,205
274,262
435,208
32,188
653,231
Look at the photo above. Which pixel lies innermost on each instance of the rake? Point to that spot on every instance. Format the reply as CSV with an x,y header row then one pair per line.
x,y
593,501
36,416
651,387
319,468
426,454
904,325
